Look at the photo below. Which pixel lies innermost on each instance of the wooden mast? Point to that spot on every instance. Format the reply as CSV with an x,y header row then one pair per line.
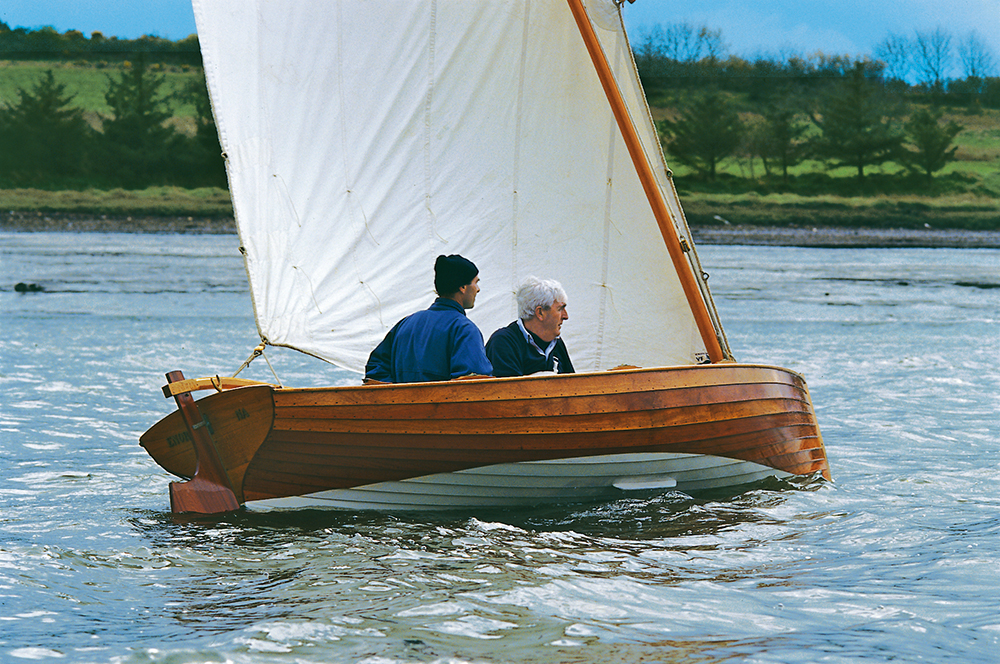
x,y
649,184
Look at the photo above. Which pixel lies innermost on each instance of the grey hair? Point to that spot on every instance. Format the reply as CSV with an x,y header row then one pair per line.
x,y
535,292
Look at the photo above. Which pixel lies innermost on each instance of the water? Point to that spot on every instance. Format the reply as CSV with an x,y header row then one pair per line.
x,y
895,561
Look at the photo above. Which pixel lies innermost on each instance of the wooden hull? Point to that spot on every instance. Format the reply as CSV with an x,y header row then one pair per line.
x,y
506,441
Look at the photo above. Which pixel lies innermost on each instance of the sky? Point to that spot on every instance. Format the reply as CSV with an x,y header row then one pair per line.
x,y
749,27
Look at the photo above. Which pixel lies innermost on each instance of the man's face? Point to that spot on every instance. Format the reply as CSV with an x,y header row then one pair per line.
x,y
551,320
469,292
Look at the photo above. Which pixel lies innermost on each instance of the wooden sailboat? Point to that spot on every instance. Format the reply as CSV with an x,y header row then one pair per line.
x,y
362,142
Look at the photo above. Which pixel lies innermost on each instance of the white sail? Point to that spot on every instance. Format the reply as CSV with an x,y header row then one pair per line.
x,y
365,138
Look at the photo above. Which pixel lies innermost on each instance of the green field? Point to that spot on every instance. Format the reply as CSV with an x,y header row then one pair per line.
x,y
963,195
88,82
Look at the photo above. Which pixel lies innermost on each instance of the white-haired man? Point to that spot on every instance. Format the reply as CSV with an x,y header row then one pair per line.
x,y
531,343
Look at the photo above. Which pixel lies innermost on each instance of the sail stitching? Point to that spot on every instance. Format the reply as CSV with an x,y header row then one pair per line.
x,y
515,211
354,206
602,311
428,104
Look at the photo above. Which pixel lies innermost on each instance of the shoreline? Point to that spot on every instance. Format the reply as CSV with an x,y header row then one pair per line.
x,y
739,234
835,236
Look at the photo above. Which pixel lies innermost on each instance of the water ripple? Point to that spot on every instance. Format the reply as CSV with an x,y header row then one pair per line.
x,y
895,560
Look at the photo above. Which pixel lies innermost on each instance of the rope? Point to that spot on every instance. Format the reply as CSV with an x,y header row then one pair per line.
x,y
273,373
257,352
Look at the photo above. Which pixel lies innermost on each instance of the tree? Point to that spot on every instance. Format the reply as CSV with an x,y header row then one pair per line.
x,y
713,44
932,142
43,138
137,146
204,154
933,58
857,125
977,63
784,146
894,53
681,42
708,131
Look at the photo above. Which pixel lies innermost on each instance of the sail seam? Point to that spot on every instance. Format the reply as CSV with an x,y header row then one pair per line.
x,y
516,170
428,107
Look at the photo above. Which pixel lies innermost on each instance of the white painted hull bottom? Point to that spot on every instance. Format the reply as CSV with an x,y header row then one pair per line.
x,y
539,482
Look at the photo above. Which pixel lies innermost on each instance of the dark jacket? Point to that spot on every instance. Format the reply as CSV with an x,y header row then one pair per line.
x,y
438,343
511,355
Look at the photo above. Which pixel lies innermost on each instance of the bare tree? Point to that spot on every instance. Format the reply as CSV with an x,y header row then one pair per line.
x,y
894,52
933,57
682,42
977,61
651,41
712,43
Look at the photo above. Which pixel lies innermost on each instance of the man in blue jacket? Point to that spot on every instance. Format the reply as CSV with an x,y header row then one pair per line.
x,y
438,343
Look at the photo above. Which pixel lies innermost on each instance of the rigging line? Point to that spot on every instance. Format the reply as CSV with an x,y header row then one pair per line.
x,y
273,372
257,352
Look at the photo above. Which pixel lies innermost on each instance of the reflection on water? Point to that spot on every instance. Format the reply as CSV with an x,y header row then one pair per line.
x,y
895,560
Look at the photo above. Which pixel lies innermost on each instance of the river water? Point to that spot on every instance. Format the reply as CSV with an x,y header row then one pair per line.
x,y
897,560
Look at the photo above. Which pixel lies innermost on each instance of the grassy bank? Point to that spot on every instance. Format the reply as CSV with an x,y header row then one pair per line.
x,y
152,202
702,209
789,210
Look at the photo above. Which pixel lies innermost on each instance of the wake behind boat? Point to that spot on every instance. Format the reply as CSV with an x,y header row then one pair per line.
x,y
361,145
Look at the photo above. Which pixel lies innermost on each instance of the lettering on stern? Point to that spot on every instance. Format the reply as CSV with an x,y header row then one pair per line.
x,y
177,439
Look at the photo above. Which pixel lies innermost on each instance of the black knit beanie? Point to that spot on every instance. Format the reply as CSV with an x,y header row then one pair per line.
x,y
453,272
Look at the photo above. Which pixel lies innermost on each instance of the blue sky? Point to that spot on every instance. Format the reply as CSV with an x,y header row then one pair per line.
x,y
847,27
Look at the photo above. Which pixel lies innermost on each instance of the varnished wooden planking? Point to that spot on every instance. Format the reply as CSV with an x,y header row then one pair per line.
x,y
529,405
290,464
553,421
513,392
501,389
410,452
756,431
465,451
325,438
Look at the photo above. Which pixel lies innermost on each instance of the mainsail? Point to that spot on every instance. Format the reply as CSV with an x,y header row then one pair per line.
x,y
365,138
